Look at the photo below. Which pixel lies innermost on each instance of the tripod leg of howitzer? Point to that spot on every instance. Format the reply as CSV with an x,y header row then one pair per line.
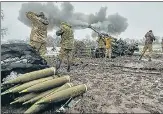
x,y
142,54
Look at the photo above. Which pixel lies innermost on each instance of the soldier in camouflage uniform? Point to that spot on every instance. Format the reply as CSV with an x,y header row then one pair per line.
x,y
108,40
66,44
148,44
39,32
101,46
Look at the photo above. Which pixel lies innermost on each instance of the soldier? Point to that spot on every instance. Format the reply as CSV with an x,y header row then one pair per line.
x,y
67,45
108,41
162,45
39,32
148,43
101,46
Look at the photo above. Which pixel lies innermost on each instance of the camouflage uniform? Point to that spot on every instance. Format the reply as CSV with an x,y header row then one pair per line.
x,y
108,41
148,44
67,44
101,46
39,32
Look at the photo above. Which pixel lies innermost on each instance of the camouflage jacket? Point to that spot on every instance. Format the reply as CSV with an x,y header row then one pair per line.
x,y
101,42
67,37
39,28
108,41
149,38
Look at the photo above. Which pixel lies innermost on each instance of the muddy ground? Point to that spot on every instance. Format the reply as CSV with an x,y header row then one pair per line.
x,y
123,84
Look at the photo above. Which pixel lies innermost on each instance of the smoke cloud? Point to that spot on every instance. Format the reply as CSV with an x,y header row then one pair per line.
x,y
112,24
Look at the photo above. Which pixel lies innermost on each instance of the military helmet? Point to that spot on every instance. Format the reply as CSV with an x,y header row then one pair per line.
x,y
65,23
41,14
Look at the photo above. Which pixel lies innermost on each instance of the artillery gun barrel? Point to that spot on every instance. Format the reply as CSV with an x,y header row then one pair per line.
x,y
94,29
101,34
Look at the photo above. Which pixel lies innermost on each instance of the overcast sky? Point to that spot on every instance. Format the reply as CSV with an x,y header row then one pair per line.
x,y
142,16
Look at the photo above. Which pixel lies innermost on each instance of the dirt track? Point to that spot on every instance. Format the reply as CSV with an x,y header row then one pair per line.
x,y
118,86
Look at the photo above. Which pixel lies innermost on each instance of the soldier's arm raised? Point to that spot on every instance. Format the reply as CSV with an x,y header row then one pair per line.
x,y
32,16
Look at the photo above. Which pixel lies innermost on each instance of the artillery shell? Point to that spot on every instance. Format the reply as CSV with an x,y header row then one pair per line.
x,y
29,84
32,76
24,98
65,86
64,94
8,91
5,87
39,96
48,84
46,93
35,108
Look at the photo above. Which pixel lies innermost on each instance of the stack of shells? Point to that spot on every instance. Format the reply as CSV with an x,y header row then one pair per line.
x,y
41,88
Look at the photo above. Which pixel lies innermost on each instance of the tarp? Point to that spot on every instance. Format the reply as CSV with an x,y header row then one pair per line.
x,y
20,57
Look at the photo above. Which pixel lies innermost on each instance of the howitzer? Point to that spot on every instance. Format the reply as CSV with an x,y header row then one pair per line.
x,y
100,34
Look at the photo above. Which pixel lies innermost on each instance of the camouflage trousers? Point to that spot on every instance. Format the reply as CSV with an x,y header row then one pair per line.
x,y
148,49
39,47
66,54
102,52
108,52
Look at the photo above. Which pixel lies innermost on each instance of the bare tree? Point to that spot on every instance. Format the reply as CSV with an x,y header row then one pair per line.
x,y
3,29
